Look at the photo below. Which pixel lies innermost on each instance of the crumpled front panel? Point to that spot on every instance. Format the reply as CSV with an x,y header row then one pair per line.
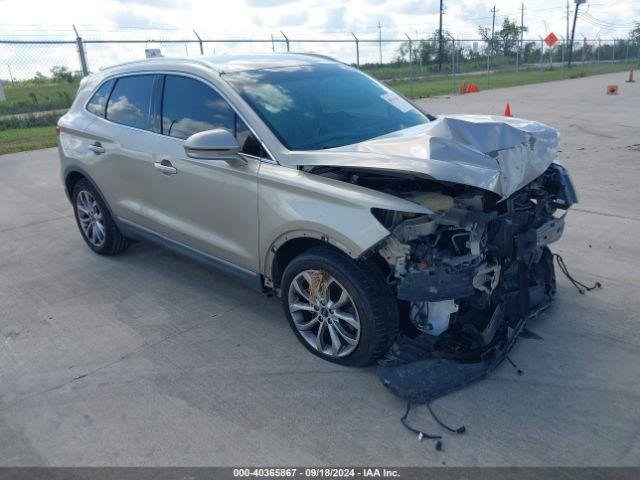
x,y
499,154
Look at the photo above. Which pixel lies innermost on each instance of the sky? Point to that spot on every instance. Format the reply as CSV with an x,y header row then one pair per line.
x,y
298,19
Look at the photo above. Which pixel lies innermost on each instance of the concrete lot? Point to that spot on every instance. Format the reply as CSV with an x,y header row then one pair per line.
x,y
150,359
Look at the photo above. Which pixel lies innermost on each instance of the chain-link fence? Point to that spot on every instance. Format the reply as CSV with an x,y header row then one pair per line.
x,y
34,72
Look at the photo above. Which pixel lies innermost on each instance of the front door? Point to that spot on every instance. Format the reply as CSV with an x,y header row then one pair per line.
x,y
207,205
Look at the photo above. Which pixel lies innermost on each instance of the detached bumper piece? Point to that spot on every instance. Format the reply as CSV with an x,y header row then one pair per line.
x,y
498,275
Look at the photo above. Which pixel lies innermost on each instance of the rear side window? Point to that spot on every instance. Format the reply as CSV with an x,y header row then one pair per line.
x,y
130,101
98,102
190,106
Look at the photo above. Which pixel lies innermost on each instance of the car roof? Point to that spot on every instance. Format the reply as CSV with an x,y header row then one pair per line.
x,y
231,63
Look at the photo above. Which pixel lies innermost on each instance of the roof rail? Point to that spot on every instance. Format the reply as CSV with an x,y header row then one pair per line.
x,y
158,59
317,55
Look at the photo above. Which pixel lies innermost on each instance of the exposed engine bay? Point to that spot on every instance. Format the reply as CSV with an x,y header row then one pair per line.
x,y
467,276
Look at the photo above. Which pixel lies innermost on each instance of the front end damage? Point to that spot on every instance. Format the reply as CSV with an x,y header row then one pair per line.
x,y
470,271
468,276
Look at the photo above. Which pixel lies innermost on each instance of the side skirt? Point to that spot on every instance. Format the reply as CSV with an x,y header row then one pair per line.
x,y
133,230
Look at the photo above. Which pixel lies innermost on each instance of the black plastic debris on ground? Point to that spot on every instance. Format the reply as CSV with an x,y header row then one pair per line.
x,y
419,370
424,380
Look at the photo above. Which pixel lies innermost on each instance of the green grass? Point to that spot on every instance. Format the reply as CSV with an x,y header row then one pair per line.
x,y
20,139
26,97
442,85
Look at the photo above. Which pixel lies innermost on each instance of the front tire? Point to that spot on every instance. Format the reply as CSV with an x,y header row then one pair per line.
x,y
96,225
340,309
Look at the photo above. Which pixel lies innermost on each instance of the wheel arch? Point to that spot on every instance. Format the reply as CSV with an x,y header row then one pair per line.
x,y
73,175
70,181
288,246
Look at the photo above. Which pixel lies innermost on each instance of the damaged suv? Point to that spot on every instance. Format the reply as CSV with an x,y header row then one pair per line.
x,y
385,230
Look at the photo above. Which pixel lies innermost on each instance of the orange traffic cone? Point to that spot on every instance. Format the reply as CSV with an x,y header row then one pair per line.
x,y
630,80
473,88
463,88
507,111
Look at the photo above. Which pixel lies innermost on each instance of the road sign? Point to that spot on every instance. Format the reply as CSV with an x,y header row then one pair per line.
x,y
551,39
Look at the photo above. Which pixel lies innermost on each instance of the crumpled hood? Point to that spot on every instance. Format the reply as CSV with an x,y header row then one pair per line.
x,y
499,154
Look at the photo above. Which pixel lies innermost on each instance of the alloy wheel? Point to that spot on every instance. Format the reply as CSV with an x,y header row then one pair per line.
x,y
324,313
90,218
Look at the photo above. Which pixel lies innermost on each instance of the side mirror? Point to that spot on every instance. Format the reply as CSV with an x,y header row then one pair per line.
x,y
217,144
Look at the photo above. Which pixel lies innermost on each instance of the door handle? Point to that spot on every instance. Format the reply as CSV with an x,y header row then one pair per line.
x,y
97,148
166,167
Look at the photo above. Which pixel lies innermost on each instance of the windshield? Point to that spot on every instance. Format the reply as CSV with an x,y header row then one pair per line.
x,y
313,107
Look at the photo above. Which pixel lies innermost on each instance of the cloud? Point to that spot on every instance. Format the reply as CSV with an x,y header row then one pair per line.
x,y
417,7
334,18
267,3
370,22
257,20
127,17
294,19
163,4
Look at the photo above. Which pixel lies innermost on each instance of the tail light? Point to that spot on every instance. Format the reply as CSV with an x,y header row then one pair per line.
x,y
57,130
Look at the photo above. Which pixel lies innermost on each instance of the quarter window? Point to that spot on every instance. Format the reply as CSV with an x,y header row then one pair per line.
x,y
249,144
98,102
190,106
130,101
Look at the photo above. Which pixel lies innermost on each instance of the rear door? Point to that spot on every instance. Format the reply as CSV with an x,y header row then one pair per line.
x,y
123,136
208,205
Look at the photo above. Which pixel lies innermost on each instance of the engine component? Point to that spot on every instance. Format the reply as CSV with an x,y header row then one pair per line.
x,y
395,253
486,279
432,317
435,284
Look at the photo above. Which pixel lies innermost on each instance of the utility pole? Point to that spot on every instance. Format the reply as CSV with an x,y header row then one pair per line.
x,y
410,64
440,41
521,34
568,14
573,30
380,40
490,50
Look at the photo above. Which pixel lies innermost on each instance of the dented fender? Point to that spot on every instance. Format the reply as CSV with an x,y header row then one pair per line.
x,y
297,204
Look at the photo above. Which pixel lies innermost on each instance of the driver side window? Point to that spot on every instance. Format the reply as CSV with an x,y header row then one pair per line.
x,y
189,106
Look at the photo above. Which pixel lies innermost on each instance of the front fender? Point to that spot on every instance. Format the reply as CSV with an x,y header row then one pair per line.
x,y
297,204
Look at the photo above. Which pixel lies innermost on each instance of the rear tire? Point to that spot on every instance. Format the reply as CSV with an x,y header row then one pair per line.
x,y
96,225
364,319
